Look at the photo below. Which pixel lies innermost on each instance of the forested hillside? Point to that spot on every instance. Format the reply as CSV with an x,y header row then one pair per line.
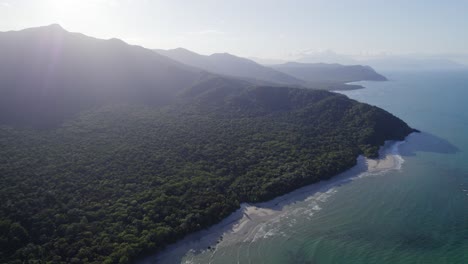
x,y
109,151
122,180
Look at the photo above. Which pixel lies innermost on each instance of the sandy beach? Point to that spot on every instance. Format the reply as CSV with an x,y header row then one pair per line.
x,y
246,224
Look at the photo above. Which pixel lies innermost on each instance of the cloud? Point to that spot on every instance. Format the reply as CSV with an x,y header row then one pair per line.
x,y
5,4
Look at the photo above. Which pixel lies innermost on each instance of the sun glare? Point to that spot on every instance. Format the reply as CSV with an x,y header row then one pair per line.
x,y
73,11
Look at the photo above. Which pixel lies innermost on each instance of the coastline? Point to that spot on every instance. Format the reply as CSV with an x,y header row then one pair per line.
x,y
354,85
246,222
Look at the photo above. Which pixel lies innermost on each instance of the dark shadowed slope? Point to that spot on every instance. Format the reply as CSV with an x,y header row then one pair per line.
x,y
329,73
227,64
48,74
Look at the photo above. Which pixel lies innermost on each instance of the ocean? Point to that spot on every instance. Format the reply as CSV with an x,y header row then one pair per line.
x,y
412,208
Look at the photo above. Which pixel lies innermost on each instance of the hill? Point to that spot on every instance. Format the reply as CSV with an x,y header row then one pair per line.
x,y
119,151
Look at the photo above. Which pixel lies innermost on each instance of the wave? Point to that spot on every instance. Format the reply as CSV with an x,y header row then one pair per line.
x,y
395,152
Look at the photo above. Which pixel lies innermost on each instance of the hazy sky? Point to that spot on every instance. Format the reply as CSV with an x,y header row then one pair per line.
x,y
261,28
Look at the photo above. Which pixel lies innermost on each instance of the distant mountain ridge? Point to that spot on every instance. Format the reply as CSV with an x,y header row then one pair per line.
x,y
311,75
324,72
227,64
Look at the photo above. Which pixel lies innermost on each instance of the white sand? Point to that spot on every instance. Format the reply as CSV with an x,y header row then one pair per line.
x,y
387,162
244,224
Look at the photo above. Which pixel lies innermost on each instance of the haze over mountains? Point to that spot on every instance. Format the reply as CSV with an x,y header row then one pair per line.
x,y
45,63
227,64
318,76
49,74
329,73
382,62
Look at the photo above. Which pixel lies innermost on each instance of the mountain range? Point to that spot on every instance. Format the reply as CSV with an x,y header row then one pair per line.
x,y
317,76
50,62
227,64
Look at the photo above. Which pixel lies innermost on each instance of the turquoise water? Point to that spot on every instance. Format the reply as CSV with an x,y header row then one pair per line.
x,y
416,212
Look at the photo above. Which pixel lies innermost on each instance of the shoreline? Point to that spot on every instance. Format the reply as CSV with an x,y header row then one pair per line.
x,y
354,85
244,223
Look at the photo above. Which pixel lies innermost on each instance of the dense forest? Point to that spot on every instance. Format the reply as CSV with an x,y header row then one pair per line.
x,y
122,180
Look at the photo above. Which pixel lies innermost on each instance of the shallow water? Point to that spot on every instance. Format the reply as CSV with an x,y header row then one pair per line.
x,y
414,212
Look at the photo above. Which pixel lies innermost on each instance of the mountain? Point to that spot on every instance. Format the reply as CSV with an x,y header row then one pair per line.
x,y
311,75
49,74
110,151
329,73
230,65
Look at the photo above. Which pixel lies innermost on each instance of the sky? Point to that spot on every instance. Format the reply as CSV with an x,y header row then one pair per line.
x,y
258,28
